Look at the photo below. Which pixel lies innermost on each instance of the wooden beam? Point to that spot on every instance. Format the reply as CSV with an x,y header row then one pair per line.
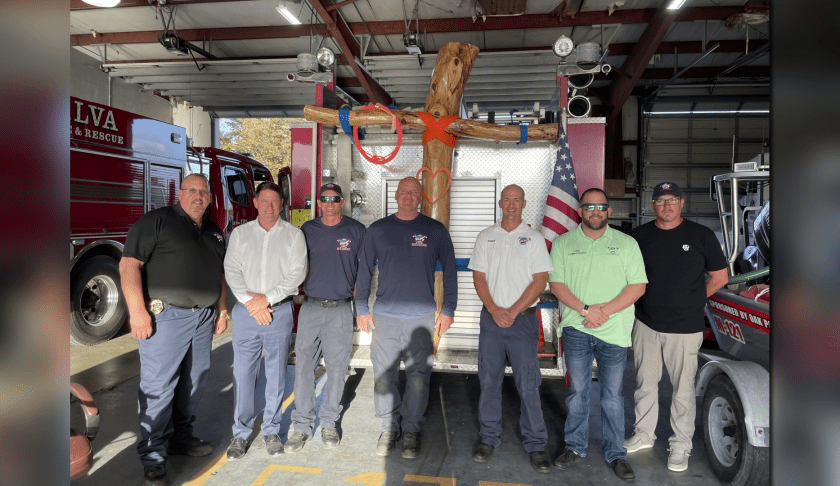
x,y
340,31
341,4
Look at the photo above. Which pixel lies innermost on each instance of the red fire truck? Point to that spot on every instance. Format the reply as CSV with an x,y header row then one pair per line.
x,y
122,165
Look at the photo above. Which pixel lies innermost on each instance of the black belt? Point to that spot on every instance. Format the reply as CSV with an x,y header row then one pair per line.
x,y
287,299
327,303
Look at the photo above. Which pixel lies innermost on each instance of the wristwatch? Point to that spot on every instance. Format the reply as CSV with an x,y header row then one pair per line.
x,y
226,315
584,311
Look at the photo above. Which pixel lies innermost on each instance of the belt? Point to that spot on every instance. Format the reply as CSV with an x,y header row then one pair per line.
x,y
156,306
529,310
287,299
327,303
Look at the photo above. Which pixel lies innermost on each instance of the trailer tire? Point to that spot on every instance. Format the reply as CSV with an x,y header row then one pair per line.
x,y
734,460
97,307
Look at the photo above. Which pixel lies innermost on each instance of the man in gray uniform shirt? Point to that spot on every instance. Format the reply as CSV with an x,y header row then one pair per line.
x,y
265,264
325,322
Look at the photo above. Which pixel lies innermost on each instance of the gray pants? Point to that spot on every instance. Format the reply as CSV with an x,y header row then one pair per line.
x,y
174,366
409,340
328,333
249,340
679,353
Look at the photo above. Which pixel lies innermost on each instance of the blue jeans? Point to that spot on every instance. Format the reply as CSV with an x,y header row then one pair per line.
x,y
579,349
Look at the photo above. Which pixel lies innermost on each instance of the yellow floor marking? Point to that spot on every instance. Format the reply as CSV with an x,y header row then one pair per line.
x,y
281,467
494,483
372,478
430,479
208,471
212,468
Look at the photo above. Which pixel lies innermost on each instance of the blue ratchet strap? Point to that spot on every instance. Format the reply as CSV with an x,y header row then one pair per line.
x,y
344,118
523,134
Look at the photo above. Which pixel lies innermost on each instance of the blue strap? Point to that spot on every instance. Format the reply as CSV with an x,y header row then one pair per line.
x,y
523,134
344,118
461,265
393,106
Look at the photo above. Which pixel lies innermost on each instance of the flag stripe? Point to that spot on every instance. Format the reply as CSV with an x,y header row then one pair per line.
x,y
560,215
562,208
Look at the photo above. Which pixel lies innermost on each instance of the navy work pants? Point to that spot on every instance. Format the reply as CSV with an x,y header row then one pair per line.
x,y
519,342
174,366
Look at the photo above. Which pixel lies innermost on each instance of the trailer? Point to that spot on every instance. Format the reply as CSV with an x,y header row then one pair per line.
x,y
736,388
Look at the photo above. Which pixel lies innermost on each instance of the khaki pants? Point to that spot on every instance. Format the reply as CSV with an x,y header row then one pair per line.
x,y
679,352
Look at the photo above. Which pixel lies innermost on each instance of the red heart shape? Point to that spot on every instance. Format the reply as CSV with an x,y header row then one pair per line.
x,y
434,174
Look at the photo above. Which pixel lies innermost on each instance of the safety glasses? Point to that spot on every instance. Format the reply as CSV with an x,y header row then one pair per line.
x,y
593,207
326,199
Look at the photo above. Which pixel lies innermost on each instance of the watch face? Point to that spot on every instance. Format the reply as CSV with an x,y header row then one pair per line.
x,y
563,46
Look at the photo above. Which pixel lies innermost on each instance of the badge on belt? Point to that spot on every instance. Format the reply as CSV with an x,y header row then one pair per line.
x,y
156,306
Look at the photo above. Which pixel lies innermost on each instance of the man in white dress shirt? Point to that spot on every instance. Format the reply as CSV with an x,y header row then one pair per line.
x,y
265,263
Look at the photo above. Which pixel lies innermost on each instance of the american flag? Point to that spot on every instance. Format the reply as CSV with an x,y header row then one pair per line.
x,y
562,202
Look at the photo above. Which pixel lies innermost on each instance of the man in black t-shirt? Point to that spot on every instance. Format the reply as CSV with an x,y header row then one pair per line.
x,y
325,322
669,318
172,277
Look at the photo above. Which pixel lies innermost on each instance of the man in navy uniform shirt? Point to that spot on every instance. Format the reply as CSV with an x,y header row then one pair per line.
x,y
407,246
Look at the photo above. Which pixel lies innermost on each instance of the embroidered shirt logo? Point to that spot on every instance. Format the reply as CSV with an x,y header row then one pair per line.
x,y
344,244
685,247
419,240
612,249
523,240
219,237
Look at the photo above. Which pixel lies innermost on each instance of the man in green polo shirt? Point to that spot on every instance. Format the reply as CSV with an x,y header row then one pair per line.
x,y
598,275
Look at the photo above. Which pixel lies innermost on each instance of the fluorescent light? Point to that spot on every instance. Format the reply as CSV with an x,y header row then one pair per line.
x,y
286,13
709,112
102,3
675,4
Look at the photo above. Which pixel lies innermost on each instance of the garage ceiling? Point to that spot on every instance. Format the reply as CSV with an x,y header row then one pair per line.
x,y
256,48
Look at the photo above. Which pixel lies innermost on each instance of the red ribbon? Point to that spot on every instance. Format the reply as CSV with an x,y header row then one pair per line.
x,y
435,128
378,159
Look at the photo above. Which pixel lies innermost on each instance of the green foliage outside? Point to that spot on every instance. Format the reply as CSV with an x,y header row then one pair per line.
x,y
267,139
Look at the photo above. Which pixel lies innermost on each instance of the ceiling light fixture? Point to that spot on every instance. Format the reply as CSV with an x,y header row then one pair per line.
x,y
283,8
675,4
102,3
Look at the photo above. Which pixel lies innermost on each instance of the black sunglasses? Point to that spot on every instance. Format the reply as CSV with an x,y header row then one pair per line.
x,y
326,199
592,207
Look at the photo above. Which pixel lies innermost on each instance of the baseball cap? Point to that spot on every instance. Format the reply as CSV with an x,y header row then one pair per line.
x,y
331,187
666,188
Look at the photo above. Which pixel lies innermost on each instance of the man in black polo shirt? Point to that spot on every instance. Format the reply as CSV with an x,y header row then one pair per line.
x,y
174,255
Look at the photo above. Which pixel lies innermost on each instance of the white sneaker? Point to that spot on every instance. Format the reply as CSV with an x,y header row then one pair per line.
x,y
637,443
678,460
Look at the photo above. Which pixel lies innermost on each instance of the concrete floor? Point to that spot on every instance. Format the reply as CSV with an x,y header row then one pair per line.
x,y
449,436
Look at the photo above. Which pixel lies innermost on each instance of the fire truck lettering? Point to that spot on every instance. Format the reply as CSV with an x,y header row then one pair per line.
x,y
96,113
719,324
743,314
78,118
110,124
87,133
755,319
766,322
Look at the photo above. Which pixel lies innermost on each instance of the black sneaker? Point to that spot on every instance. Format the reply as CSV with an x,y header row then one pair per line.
x,y
297,441
273,445
195,448
154,475
236,448
411,445
386,443
329,436
622,469
567,459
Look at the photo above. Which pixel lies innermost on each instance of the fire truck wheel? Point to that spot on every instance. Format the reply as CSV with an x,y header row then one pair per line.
x,y
97,307
734,460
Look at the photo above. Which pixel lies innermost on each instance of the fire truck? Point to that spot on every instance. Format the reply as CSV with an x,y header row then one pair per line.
x,y
121,166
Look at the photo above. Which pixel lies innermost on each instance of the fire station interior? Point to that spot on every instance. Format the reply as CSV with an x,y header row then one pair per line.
x,y
680,91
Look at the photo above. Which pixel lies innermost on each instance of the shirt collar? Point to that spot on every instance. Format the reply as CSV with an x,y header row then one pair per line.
x,y
522,226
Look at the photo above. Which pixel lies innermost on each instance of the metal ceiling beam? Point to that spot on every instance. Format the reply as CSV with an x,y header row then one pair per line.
x,y
397,27
639,58
343,36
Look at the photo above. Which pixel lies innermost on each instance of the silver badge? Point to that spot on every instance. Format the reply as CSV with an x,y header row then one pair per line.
x,y
156,306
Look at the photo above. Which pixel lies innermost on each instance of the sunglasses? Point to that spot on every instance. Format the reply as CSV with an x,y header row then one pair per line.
x,y
661,201
326,199
593,207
